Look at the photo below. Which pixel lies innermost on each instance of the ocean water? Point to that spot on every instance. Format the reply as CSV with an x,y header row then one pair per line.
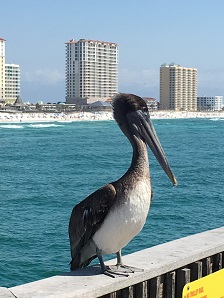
x,y
46,168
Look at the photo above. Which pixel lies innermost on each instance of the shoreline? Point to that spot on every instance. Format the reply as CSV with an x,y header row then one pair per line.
x,y
20,117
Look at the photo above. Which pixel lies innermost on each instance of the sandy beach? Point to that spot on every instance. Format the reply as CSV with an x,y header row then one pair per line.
x,y
6,117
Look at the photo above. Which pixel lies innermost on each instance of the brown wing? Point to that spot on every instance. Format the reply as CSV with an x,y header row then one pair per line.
x,y
88,215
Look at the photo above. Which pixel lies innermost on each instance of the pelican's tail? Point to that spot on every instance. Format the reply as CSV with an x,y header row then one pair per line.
x,y
76,262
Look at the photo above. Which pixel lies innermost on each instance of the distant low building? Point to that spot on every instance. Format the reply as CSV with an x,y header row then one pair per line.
x,y
152,103
50,107
19,102
101,105
210,103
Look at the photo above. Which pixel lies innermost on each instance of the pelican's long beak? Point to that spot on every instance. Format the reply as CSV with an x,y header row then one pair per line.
x,y
147,133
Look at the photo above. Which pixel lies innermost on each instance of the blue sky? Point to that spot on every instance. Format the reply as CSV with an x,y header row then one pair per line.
x,y
149,33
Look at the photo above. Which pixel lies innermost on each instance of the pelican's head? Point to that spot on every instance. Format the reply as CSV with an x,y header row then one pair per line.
x,y
132,115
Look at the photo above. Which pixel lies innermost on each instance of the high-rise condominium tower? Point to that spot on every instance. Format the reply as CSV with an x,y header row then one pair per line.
x,y
91,71
2,71
178,88
12,82
9,78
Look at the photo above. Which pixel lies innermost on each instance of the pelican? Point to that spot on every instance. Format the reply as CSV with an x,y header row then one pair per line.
x,y
110,217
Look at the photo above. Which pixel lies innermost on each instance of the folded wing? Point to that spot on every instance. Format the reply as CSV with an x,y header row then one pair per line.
x,y
85,220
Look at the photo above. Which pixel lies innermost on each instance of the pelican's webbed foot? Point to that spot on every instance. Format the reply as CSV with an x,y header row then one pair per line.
x,y
112,271
120,270
116,270
127,269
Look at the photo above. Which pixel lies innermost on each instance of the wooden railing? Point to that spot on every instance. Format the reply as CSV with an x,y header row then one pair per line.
x,y
171,284
167,268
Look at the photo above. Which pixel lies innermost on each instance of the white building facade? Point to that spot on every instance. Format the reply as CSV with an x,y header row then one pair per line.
x,y
9,78
152,103
91,71
178,88
2,71
210,103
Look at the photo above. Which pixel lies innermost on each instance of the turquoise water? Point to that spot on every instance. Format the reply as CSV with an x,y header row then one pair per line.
x,y
47,168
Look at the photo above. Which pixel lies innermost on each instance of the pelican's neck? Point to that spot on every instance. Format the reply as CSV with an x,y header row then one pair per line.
x,y
139,167
140,164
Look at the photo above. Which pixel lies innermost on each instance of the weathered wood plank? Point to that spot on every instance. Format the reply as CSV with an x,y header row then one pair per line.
x,y
141,290
154,287
196,270
217,262
206,266
182,278
170,285
128,292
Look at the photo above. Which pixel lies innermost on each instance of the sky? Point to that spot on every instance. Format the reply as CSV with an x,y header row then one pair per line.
x,y
148,33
